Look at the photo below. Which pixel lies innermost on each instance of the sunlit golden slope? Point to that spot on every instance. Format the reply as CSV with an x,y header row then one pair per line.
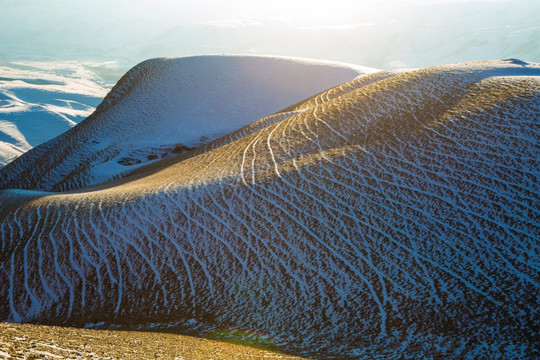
x,y
27,341
395,214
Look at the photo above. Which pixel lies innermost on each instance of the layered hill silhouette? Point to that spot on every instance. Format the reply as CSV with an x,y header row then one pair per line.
x,y
394,214
163,107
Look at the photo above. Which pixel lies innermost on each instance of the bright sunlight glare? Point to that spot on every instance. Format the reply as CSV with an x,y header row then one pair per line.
x,y
376,33
300,12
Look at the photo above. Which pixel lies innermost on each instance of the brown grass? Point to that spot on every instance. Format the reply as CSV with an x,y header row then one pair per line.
x,y
26,341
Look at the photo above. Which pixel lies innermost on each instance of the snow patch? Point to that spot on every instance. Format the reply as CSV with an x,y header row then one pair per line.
x,y
40,100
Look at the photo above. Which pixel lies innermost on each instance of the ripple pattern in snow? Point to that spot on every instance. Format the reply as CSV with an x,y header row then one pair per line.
x,y
40,100
395,215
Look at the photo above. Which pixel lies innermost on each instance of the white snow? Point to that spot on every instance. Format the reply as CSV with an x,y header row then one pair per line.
x,y
40,100
209,96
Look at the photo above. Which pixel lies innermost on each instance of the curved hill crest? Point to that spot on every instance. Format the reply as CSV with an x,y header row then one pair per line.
x,y
166,106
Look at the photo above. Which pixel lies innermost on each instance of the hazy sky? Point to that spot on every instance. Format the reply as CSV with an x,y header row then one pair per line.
x,y
304,12
380,33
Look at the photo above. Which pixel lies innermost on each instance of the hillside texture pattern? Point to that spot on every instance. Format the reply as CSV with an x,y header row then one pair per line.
x,y
392,216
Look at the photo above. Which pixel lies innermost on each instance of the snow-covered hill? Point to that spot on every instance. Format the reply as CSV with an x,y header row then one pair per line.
x,y
28,341
394,215
163,107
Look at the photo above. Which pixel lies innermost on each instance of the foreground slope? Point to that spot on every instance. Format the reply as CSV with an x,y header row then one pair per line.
x,y
394,214
26,341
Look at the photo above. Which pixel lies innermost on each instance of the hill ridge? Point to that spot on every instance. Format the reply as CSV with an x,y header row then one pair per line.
x,y
397,217
164,106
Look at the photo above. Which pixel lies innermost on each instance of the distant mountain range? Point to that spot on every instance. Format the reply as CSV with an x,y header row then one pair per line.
x,y
394,35
393,215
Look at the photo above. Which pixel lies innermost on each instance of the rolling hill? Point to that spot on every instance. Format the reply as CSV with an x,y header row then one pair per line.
x,y
395,214
163,107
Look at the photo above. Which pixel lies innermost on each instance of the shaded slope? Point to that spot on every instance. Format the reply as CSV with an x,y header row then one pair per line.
x,y
397,218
